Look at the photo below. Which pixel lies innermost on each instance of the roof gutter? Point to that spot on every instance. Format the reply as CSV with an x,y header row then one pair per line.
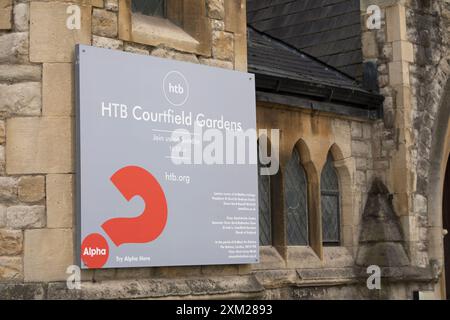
x,y
356,99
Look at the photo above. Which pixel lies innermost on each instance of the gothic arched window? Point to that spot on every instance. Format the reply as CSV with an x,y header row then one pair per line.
x,y
330,202
295,202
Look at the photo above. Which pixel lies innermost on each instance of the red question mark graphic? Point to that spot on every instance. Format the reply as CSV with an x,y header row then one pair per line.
x,y
135,181
131,181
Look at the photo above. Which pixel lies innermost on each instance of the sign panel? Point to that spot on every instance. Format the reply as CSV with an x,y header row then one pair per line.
x,y
166,169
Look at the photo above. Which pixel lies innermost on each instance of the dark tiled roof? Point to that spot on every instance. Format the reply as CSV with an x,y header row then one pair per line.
x,y
329,30
282,68
267,55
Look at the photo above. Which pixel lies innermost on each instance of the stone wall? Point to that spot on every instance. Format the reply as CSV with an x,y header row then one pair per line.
x,y
36,128
37,158
412,54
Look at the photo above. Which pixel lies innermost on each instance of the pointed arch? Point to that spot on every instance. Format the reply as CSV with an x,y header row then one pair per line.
x,y
296,201
330,198
440,153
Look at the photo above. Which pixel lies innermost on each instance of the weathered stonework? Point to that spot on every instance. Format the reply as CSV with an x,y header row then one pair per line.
x,y
57,89
11,242
37,160
5,14
22,16
223,45
39,145
216,9
11,268
31,188
60,200
50,39
25,217
104,23
14,47
43,260
21,99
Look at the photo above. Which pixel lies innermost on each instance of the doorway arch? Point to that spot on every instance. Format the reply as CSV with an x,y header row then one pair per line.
x,y
440,151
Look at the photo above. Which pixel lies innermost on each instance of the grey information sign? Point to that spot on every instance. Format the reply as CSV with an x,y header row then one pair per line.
x,y
166,168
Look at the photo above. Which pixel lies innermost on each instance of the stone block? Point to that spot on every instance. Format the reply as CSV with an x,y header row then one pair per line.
x,y
361,148
21,17
31,189
403,51
222,270
369,45
302,257
112,5
396,23
367,130
47,254
39,145
170,54
217,63
217,25
216,9
60,200
11,242
11,269
235,16
133,273
223,45
5,18
136,48
2,160
107,43
5,3
2,131
337,257
20,99
50,38
25,217
14,47
342,135
58,89
269,258
22,291
2,216
104,23
97,3
399,73
5,14
240,52
420,204
104,274
361,164
16,73
357,131
8,189
177,272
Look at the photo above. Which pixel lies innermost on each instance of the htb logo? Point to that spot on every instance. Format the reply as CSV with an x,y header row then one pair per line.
x,y
176,88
